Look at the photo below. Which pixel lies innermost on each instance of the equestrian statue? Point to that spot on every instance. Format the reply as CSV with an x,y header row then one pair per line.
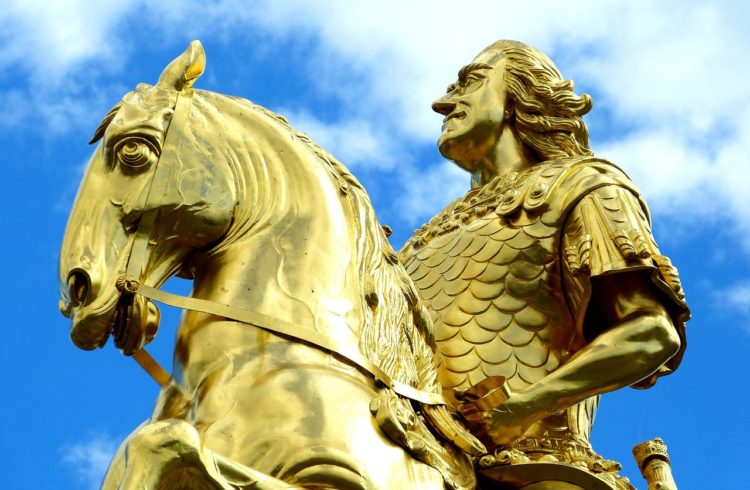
x,y
311,354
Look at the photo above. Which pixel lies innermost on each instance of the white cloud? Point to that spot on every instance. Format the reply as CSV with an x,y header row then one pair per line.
x,y
672,73
670,63
691,180
429,190
735,301
354,141
52,38
57,53
90,458
739,297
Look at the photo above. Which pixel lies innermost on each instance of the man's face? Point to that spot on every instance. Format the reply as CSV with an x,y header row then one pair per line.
x,y
474,109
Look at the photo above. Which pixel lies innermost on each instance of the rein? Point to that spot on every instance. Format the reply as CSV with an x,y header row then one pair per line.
x,y
279,326
128,285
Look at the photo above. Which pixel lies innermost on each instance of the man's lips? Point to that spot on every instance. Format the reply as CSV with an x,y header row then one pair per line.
x,y
454,115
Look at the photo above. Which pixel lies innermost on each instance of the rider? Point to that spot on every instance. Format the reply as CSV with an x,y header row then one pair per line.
x,y
545,275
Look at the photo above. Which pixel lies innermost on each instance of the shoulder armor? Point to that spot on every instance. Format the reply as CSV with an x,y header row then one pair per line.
x,y
609,231
557,185
549,188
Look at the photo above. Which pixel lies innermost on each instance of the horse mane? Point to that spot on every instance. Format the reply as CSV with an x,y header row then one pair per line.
x,y
396,333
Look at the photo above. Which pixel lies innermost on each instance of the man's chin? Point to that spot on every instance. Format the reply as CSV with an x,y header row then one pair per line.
x,y
455,152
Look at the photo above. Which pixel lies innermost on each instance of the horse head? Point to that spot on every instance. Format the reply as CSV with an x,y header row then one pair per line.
x,y
148,201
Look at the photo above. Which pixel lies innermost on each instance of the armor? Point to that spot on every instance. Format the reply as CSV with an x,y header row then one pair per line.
x,y
506,272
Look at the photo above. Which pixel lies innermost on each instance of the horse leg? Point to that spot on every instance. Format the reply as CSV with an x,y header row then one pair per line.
x,y
169,455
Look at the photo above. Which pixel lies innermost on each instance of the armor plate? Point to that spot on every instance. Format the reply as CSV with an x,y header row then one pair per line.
x,y
504,272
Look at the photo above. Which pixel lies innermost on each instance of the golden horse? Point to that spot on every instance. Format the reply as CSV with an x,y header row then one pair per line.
x,y
303,340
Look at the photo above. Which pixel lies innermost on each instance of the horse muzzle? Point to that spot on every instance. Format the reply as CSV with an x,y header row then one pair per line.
x,y
132,319
91,313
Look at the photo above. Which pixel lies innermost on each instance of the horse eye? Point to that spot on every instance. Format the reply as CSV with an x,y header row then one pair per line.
x,y
136,153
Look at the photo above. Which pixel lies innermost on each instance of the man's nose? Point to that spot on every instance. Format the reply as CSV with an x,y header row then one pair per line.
x,y
444,105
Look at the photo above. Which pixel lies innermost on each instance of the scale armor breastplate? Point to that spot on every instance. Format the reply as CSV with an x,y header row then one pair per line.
x,y
490,270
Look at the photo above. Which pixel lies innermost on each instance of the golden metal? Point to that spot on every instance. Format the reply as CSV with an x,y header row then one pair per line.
x,y
308,355
653,461
276,234
152,367
544,282
274,325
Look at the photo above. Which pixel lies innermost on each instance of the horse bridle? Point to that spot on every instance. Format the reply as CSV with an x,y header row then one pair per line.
x,y
127,284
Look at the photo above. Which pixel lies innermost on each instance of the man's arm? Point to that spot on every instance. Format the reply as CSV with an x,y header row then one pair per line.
x,y
637,337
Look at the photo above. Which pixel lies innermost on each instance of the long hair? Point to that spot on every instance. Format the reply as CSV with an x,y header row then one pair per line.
x,y
548,113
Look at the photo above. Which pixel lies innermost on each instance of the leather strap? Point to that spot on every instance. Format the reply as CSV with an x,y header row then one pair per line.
x,y
158,185
279,326
152,367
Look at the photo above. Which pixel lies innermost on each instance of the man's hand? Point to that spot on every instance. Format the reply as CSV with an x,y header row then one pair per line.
x,y
495,415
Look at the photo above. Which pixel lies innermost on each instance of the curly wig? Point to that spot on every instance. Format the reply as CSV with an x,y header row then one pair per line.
x,y
548,114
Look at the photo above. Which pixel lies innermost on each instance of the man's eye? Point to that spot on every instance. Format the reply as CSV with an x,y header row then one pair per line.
x,y
136,153
450,88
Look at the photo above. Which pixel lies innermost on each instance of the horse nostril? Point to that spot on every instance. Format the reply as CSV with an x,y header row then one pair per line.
x,y
79,285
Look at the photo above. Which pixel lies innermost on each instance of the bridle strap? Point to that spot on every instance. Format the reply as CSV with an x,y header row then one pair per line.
x,y
136,256
288,329
158,184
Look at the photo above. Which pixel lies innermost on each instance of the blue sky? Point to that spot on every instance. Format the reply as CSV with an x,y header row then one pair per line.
x,y
671,105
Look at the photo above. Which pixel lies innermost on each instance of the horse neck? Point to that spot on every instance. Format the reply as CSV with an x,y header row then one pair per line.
x,y
292,251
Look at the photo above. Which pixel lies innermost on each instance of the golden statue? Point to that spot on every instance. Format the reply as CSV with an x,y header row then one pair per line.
x,y
308,357
544,281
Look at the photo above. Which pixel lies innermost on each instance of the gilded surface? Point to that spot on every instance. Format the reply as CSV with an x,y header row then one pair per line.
x,y
311,354
544,281
272,385
653,461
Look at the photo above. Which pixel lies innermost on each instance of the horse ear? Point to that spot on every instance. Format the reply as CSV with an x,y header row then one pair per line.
x,y
181,73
